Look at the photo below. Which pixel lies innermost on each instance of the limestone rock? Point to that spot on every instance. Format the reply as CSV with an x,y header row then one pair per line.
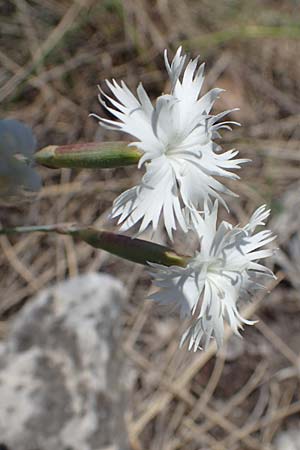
x,y
62,371
288,440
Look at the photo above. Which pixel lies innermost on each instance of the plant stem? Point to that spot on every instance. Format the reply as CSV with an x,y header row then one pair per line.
x,y
136,250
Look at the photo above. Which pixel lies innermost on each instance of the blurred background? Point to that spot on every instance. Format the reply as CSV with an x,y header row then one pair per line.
x,y
53,54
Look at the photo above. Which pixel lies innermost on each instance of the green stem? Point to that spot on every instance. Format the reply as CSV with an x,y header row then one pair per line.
x,y
136,250
31,229
89,155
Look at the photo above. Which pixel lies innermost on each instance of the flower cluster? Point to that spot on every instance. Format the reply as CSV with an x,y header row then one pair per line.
x,y
176,137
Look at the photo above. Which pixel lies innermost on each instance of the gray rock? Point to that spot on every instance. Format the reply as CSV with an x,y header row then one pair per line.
x,y
62,370
288,440
286,225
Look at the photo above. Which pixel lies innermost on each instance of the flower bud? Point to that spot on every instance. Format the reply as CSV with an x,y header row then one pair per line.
x,y
88,155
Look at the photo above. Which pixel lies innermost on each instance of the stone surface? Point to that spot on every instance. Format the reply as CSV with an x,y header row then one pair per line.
x,y
62,371
286,225
288,440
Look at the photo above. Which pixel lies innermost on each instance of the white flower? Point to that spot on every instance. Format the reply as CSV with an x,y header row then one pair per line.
x,y
176,138
208,288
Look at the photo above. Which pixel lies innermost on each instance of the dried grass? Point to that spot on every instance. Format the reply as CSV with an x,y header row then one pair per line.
x,y
52,56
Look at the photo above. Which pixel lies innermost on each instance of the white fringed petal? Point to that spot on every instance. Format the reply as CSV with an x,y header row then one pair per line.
x,y
156,196
175,68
